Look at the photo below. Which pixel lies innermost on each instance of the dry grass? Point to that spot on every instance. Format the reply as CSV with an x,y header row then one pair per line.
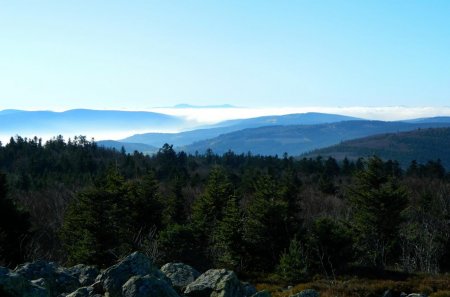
x,y
444,293
433,286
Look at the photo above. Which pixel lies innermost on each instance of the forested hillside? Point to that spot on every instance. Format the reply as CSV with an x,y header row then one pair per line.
x,y
299,139
420,145
74,202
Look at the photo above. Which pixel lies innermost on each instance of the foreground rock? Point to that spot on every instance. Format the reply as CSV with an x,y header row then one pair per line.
x,y
85,274
135,264
134,276
307,293
55,279
180,274
15,285
263,293
145,286
215,283
83,292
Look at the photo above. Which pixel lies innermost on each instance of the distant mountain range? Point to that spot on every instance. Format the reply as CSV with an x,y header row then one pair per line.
x,y
274,135
294,134
430,120
84,122
184,105
298,139
129,147
421,145
189,137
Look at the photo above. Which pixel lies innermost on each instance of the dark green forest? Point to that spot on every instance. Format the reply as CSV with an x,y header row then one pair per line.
x,y
72,201
420,145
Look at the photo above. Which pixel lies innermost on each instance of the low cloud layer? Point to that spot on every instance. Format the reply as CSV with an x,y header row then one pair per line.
x,y
389,113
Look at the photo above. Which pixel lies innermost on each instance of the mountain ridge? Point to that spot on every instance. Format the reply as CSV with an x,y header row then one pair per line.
x,y
84,121
299,139
189,137
421,145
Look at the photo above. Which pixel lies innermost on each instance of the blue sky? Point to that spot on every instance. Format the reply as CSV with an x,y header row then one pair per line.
x,y
143,54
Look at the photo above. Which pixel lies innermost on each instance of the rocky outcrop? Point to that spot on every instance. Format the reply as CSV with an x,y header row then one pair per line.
x,y
57,280
215,283
134,276
307,293
83,292
136,264
145,286
85,274
180,274
15,285
392,293
263,293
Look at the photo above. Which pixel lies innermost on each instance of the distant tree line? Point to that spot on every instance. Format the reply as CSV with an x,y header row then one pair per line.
x,y
75,202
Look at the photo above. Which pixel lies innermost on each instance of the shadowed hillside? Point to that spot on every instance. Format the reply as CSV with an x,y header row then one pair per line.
x,y
420,145
298,139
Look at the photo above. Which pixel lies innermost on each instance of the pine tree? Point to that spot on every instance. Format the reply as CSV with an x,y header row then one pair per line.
x,y
144,205
293,263
90,232
174,211
110,220
208,208
227,237
265,231
331,247
377,202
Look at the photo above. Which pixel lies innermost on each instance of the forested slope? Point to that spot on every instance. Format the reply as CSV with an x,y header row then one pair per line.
x,y
420,145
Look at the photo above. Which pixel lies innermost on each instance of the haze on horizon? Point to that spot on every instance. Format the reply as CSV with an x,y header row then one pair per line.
x,y
137,55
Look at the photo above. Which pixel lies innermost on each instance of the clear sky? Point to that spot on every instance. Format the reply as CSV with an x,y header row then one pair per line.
x,y
141,54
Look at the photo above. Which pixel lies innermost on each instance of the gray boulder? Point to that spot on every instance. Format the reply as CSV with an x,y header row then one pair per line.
x,y
40,282
95,290
82,292
85,274
307,293
37,269
145,286
263,293
55,278
248,289
15,285
215,283
417,295
180,274
136,264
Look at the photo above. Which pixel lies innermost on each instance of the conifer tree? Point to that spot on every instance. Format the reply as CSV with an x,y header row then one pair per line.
x,y
265,231
144,204
93,229
293,263
174,212
110,220
377,202
330,245
227,237
208,210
